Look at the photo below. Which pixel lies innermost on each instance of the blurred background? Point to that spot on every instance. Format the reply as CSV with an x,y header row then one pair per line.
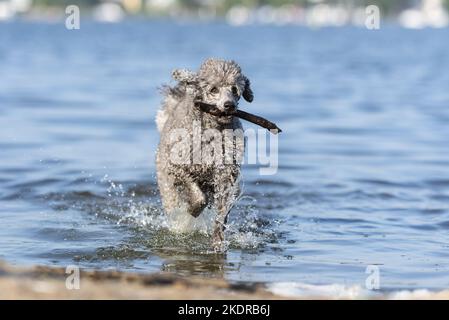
x,y
316,13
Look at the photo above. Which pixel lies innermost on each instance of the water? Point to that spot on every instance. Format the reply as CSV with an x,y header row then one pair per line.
x,y
363,160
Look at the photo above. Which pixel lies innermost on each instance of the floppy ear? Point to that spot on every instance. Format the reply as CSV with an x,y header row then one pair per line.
x,y
247,92
185,76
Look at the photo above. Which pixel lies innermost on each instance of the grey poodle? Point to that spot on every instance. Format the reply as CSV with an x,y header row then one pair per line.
x,y
187,179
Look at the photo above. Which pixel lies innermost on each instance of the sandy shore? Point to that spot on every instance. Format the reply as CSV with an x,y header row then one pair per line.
x,y
41,282
50,283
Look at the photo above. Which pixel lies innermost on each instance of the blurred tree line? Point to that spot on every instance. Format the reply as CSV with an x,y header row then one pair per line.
x,y
387,6
64,3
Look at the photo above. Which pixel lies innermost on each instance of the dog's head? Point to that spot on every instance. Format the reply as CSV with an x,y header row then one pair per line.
x,y
219,83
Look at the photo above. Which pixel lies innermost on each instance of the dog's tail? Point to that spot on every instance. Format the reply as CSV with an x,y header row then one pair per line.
x,y
161,119
172,97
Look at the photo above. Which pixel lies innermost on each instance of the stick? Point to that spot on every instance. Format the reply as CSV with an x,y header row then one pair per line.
x,y
213,110
264,123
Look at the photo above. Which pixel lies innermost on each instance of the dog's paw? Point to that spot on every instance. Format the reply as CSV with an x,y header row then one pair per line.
x,y
197,207
196,200
219,248
218,241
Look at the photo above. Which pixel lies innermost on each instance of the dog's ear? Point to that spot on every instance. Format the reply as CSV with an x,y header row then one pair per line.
x,y
185,76
247,92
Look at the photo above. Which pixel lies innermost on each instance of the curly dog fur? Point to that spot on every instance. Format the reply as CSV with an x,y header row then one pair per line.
x,y
195,185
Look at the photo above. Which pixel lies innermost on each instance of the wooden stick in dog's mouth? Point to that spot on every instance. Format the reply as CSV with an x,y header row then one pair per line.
x,y
213,110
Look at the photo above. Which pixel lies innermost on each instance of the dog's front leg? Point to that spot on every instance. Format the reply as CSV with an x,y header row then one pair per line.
x,y
219,228
223,204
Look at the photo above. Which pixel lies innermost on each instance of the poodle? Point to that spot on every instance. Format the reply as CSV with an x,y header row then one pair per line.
x,y
190,137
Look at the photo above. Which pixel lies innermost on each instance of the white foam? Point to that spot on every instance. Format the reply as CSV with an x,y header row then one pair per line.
x,y
419,294
338,291
331,291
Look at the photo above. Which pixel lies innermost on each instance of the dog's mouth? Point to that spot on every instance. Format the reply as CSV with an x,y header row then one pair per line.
x,y
214,110
227,116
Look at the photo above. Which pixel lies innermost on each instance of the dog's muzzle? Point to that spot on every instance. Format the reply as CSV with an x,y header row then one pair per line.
x,y
229,107
214,110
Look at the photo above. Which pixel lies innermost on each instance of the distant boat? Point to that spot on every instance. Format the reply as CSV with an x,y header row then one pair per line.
x,y
7,11
430,13
108,12
10,9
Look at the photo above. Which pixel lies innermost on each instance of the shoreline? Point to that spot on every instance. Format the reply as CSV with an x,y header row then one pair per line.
x,y
45,283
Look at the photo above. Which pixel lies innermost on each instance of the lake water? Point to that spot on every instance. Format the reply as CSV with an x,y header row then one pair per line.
x,y
363,174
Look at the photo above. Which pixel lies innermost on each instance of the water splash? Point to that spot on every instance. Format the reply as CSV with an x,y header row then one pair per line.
x,y
180,221
246,229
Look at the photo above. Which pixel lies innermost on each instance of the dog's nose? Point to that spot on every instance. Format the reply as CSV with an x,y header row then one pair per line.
x,y
229,106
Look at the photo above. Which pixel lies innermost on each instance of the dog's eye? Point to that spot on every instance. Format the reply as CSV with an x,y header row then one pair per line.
x,y
235,91
214,90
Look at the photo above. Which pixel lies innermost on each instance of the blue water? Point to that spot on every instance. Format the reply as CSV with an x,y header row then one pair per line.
x,y
363,173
